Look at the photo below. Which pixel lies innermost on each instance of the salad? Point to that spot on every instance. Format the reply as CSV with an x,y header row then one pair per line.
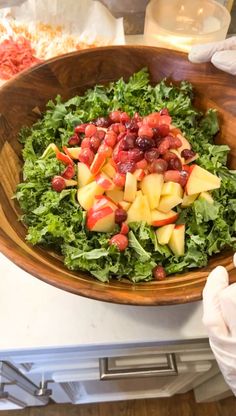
x,y
126,181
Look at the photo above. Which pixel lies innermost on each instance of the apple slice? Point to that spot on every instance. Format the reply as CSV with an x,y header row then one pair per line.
x,y
84,175
139,174
97,163
160,218
151,186
50,148
164,233
86,195
102,201
167,202
104,181
70,182
207,197
116,195
124,205
188,200
72,152
109,170
130,187
102,220
177,240
139,210
185,143
201,180
172,188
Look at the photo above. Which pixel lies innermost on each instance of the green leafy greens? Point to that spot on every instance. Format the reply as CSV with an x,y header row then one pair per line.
x,y
56,221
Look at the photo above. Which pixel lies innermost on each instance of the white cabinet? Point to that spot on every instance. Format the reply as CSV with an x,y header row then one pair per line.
x,y
83,375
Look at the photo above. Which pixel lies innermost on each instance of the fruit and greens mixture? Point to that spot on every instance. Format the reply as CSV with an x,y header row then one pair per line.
x,y
126,181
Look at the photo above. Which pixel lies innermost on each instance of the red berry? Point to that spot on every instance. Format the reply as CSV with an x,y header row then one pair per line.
x,y
86,156
164,146
119,180
110,138
126,167
184,175
135,155
85,143
69,172
187,154
164,112
103,122
74,140
169,155
80,128
146,131
172,176
158,166
120,215
100,134
115,116
175,164
106,150
124,117
128,141
159,273
58,183
142,164
120,241
90,130
175,142
144,142
123,156
151,155
94,143
124,228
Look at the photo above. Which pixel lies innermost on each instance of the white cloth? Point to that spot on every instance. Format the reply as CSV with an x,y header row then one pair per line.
x,y
222,54
219,318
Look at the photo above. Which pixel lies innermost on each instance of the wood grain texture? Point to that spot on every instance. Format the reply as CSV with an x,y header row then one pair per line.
x,y
178,405
73,74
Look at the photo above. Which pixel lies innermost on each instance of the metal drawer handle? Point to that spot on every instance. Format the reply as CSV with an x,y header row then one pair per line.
x,y
168,369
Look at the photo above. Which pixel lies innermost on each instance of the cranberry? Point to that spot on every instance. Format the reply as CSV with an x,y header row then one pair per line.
x,y
94,143
120,241
126,167
106,150
142,164
175,142
120,215
161,131
128,141
151,155
169,155
90,130
117,128
158,166
146,131
175,164
164,146
103,122
115,116
159,273
80,128
187,154
119,180
58,183
124,117
184,175
144,142
100,134
110,138
135,154
85,143
86,156
74,140
69,172
164,112
124,228
123,156
132,126
172,176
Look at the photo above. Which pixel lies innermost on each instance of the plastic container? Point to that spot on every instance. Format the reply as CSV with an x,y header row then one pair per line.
x,y
179,24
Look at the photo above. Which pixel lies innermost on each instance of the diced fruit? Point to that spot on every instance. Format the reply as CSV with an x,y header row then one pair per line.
x,y
159,218
69,172
188,200
102,201
109,170
104,181
201,180
130,187
70,182
58,183
119,180
102,220
97,164
73,140
124,229
139,174
86,195
151,186
120,241
120,215
139,210
124,204
50,148
84,175
90,130
159,273
172,176
207,197
65,159
164,233
116,195
73,152
167,202
185,143
172,188
86,156
177,240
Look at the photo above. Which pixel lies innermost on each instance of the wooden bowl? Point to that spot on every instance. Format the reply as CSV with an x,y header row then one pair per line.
x,y
72,74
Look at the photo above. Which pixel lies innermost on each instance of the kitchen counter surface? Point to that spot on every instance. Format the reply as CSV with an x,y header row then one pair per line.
x,y
35,315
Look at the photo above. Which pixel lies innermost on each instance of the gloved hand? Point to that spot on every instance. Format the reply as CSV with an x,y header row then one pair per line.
x,y
222,54
219,318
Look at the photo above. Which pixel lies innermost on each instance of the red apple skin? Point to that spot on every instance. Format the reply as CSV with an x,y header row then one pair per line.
x,y
102,202
165,221
104,182
94,216
97,163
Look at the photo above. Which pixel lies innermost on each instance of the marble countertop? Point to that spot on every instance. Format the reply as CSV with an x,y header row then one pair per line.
x,y
35,315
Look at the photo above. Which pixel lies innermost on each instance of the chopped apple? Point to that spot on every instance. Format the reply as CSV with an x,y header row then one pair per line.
x,y
188,200
175,151
177,240
185,143
164,233
151,186
104,181
124,205
191,159
160,218
201,180
207,197
50,148
70,182
84,175
172,188
139,174
97,163
109,170
130,187
86,195
116,195
139,210
102,220
167,202
102,201
72,152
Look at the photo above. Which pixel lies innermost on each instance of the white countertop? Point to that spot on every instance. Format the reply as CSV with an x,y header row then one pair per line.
x,y
35,315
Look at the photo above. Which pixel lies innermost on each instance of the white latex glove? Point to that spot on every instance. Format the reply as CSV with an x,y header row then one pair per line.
x,y
222,54
219,318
